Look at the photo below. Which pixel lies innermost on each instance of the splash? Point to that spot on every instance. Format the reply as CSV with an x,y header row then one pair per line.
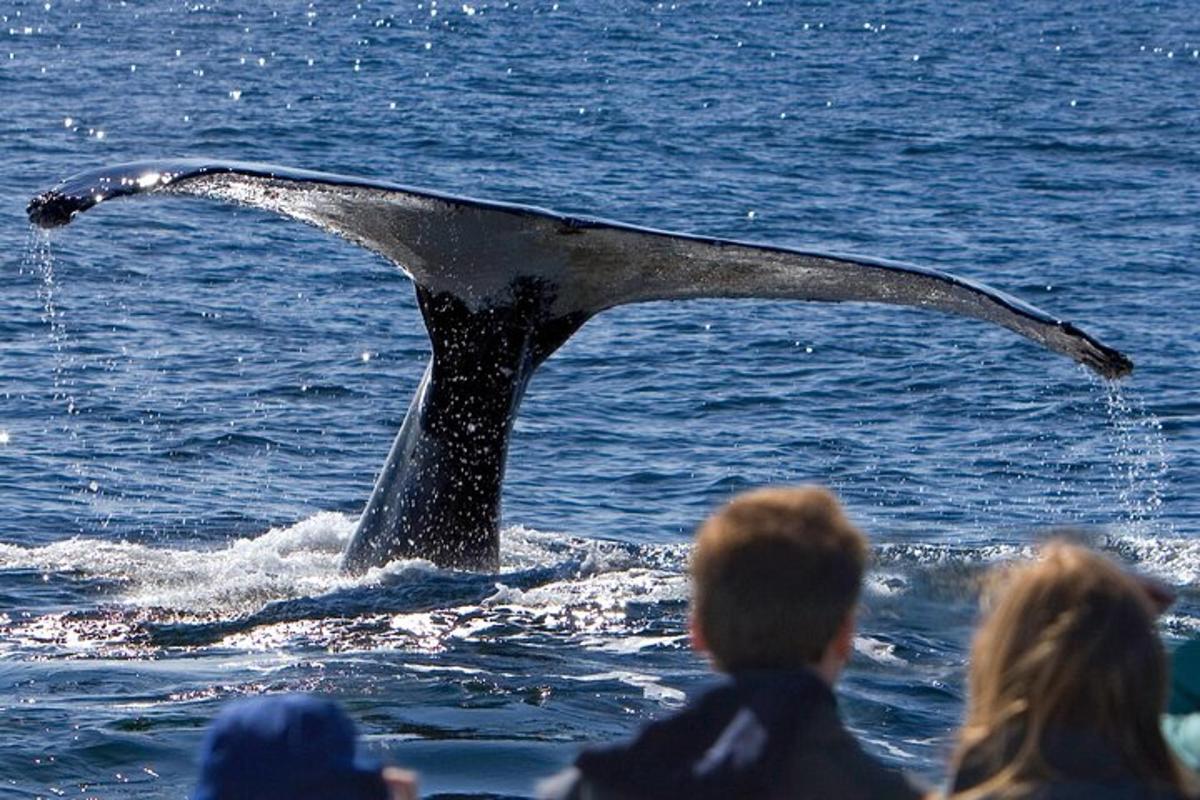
x,y
237,579
284,590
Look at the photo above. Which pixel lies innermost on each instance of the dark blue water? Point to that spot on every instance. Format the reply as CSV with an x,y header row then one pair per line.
x,y
194,399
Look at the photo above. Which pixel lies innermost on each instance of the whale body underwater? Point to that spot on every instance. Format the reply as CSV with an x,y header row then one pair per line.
x,y
501,287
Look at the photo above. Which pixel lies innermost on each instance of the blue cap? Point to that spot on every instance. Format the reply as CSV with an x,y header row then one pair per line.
x,y
285,747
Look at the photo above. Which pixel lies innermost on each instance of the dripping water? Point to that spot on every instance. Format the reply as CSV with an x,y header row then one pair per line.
x,y
39,257
39,260
1139,464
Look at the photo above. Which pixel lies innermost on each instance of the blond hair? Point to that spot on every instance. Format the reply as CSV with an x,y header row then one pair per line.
x,y
775,573
1069,645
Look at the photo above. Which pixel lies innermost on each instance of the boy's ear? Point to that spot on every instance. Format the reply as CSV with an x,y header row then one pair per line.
x,y
843,642
696,632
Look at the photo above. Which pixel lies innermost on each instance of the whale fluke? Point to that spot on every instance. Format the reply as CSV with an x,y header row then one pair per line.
x,y
501,287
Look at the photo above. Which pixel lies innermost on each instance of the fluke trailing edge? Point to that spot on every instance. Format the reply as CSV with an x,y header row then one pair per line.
x,y
501,287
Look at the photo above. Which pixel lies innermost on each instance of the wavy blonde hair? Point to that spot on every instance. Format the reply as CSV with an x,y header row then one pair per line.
x,y
1069,644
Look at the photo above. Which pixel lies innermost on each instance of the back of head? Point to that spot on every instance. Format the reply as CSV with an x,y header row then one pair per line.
x,y
776,573
1068,648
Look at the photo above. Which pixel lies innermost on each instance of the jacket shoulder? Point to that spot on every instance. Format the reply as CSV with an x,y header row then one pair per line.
x,y
830,762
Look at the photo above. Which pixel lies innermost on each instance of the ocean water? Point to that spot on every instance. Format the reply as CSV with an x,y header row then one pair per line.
x,y
194,399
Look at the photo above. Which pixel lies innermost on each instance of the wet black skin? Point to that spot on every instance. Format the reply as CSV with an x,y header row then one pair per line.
x,y
446,467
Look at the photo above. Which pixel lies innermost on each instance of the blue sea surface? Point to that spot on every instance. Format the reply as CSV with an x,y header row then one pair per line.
x,y
194,399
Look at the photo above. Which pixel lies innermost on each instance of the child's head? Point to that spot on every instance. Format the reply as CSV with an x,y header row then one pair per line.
x,y
776,574
1069,644
286,747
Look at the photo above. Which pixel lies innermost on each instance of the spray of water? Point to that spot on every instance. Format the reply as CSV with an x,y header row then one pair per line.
x,y
39,258
1140,464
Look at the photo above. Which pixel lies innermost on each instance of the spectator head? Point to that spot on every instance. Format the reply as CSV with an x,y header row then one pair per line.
x,y
285,747
776,575
1068,644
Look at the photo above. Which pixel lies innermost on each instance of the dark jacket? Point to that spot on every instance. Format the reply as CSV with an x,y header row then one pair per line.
x,y
1085,766
761,735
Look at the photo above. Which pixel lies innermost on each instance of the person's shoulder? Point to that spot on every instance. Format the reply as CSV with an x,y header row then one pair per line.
x,y
1100,792
1089,790
828,760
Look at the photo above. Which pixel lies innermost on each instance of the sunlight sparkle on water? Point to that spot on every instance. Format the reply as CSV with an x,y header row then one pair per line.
x,y
4,437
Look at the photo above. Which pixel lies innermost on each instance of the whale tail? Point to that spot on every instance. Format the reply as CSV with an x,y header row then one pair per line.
x,y
502,286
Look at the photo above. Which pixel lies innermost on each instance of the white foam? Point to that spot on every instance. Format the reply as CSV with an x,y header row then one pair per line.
x,y
885,583
652,688
630,645
241,577
887,747
186,585
879,651
607,591
1173,559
